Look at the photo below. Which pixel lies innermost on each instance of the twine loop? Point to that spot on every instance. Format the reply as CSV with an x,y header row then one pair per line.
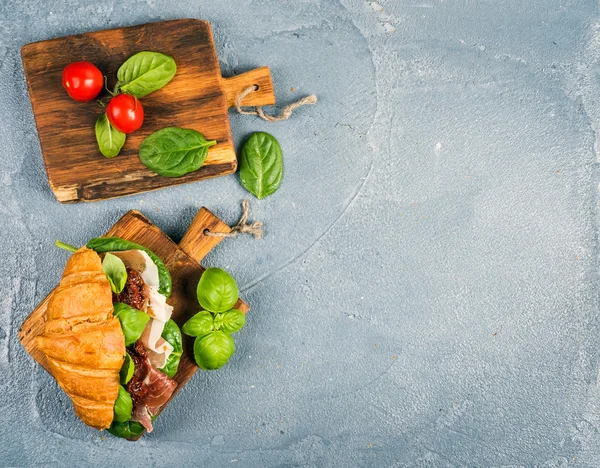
x,y
242,226
255,228
286,112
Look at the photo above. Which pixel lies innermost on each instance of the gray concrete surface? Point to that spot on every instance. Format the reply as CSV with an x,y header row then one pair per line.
x,y
426,293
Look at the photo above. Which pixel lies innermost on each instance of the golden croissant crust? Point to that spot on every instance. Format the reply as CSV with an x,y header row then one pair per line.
x,y
83,343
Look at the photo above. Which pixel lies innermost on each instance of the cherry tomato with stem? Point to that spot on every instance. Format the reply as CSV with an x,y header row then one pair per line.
x,y
82,80
125,113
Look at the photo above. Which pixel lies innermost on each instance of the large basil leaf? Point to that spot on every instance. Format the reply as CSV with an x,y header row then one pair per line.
x,y
261,165
127,430
110,140
172,335
115,244
146,72
127,369
217,290
230,322
212,351
132,321
115,272
123,406
199,325
174,151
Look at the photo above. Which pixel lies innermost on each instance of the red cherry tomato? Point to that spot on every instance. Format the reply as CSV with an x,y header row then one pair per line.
x,y
82,80
125,113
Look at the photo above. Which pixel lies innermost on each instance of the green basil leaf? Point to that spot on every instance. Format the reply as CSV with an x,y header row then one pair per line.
x,y
172,335
132,321
114,244
115,271
126,372
146,72
110,140
230,322
261,165
126,430
174,151
217,290
199,325
123,405
212,351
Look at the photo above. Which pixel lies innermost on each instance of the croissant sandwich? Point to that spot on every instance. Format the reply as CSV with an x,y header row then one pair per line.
x,y
109,339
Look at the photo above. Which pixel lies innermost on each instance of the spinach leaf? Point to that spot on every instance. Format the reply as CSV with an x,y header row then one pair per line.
x,y
174,151
123,405
217,290
146,72
110,140
126,372
172,335
108,244
126,430
230,322
115,272
212,351
199,325
261,165
132,321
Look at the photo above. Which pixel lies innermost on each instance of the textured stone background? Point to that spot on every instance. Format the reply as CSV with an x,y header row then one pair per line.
x,y
426,293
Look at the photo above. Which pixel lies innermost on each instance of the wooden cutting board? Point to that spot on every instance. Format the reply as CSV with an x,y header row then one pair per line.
x,y
183,263
198,97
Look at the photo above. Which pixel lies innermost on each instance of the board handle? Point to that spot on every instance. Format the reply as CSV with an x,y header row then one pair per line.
x,y
195,243
261,77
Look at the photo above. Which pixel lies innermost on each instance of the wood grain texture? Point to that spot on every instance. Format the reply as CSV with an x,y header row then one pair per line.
x,y
195,243
260,78
198,97
183,263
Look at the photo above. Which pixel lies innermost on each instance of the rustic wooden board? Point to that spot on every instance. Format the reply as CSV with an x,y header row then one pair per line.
x,y
198,97
183,263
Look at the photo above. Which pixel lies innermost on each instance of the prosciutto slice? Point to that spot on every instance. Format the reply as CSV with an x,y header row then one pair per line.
x,y
141,293
149,388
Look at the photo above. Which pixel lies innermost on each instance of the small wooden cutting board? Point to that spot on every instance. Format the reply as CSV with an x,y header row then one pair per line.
x,y
183,263
198,97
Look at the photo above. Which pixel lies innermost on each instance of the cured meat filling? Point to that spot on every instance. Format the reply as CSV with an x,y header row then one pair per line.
x,y
149,388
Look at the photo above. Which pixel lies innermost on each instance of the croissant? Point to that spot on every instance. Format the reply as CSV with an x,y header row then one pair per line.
x,y
83,343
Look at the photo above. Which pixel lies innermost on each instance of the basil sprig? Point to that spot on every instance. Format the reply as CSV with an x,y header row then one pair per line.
x,y
174,151
217,292
230,322
123,406
115,272
212,351
261,165
203,323
132,321
127,369
110,140
200,324
146,72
